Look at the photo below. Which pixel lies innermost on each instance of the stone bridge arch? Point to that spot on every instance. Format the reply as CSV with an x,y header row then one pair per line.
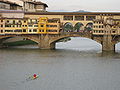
x,y
47,41
89,36
30,37
116,41
117,45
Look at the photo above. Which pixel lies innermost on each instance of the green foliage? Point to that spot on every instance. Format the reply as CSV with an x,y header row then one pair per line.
x,y
78,26
68,27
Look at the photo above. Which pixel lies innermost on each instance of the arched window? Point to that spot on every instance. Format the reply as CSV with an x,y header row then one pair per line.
x,y
78,27
89,27
68,27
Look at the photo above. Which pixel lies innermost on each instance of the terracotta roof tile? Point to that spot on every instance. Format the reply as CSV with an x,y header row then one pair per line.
x,y
8,2
37,3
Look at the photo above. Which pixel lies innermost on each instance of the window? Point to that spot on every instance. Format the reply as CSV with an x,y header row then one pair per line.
x,y
41,30
54,25
51,30
79,17
7,21
18,30
19,21
30,25
13,21
1,20
90,18
31,20
42,25
68,17
24,30
8,30
30,30
1,25
48,25
24,21
113,31
51,25
34,30
36,21
35,25
7,25
1,31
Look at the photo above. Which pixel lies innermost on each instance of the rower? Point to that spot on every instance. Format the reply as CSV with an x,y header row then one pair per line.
x,y
34,76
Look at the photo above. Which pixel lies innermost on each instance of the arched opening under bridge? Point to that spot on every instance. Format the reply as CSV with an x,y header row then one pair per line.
x,y
117,47
17,41
79,43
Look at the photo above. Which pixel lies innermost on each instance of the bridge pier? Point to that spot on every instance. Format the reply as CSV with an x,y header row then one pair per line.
x,y
107,44
1,43
46,45
45,42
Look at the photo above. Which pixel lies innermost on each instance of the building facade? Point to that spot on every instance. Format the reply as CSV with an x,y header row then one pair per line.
x,y
8,5
107,25
25,5
34,6
41,25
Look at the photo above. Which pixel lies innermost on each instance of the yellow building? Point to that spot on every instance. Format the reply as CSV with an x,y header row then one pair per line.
x,y
25,26
48,26
42,25
13,26
2,26
32,26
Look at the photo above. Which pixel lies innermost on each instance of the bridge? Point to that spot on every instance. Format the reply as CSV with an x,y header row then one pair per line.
x,y
103,28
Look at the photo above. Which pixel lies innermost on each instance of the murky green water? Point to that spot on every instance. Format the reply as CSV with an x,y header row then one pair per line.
x,y
75,65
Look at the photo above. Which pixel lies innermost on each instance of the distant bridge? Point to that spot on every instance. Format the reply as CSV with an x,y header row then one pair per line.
x,y
49,41
103,28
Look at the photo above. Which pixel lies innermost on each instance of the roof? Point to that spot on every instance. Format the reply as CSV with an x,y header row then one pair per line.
x,y
8,2
11,11
10,18
72,13
24,18
38,3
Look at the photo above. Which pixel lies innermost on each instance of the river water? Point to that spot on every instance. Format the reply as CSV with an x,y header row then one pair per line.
x,y
75,65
